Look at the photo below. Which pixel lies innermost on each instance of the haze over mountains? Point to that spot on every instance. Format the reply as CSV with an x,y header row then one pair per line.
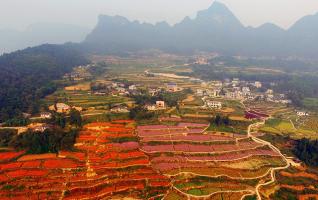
x,y
40,33
214,29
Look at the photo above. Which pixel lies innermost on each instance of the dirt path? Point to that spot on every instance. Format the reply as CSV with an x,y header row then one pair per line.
x,y
272,170
190,196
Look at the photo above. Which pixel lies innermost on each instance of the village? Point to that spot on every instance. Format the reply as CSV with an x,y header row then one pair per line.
x,y
161,125
212,93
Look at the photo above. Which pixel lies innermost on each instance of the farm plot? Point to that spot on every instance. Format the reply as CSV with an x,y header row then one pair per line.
x,y
287,127
206,186
267,108
296,183
106,162
228,162
84,99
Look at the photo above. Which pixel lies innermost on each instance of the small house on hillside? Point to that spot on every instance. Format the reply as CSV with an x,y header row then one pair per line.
x,y
302,113
60,108
213,104
160,104
173,87
38,127
120,109
46,115
258,84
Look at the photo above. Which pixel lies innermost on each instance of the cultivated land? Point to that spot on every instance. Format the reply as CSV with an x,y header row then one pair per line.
x,y
179,152
102,164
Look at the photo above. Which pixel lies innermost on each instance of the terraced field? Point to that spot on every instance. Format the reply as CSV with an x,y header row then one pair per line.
x,y
107,163
84,99
205,164
117,160
295,183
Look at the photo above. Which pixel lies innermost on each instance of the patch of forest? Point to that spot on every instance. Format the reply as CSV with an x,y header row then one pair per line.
x,y
27,76
307,151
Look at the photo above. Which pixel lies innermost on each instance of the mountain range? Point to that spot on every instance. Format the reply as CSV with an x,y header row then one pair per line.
x,y
215,29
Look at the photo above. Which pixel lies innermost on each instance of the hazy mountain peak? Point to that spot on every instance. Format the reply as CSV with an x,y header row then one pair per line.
x,y
270,26
213,29
113,19
219,14
307,24
218,7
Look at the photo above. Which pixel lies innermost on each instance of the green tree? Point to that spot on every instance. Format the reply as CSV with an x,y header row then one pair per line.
x,y
75,118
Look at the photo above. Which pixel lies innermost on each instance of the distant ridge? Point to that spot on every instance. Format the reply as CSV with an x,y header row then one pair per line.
x,y
213,29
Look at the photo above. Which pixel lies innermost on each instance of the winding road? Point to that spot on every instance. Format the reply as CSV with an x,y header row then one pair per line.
x,y
272,170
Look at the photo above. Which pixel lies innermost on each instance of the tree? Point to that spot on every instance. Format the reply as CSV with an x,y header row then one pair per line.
x,y
75,118
226,120
218,120
59,119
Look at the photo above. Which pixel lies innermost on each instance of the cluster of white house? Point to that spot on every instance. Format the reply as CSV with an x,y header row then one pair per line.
x,y
62,108
239,90
213,104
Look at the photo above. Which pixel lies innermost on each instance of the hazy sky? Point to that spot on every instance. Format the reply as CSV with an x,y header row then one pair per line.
x,y
17,14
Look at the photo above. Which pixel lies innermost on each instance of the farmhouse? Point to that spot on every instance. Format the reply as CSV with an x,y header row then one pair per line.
x,y
234,95
246,91
46,115
269,91
200,92
132,87
213,93
258,84
202,61
218,84
151,107
153,91
250,97
160,104
120,109
60,108
38,127
302,113
235,82
285,101
213,104
173,87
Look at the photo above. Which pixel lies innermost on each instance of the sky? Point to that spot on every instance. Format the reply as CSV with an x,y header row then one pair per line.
x,y
18,14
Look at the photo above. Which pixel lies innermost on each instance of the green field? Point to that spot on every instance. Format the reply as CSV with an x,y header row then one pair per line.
x,y
84,99
311,103
284,127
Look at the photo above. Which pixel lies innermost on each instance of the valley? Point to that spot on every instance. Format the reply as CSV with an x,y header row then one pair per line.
x,y
149,132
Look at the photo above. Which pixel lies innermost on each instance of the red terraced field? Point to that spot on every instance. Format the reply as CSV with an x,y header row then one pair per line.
x,y
200,148
194,138
189,125
61,164
23,173
80,156
3,178
101,170
161,130
255,115
7,156
32,164
201,153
